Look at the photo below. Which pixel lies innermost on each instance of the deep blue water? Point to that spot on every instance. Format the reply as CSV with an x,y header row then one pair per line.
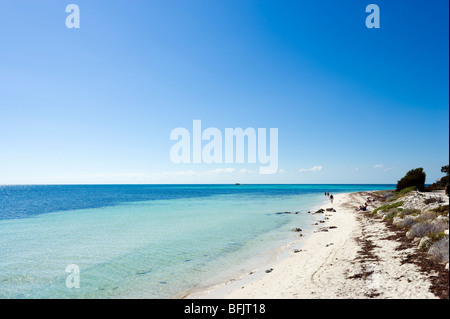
x,y
23,201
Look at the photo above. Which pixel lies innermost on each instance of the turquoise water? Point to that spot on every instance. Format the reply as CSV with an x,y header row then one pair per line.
x,y
143,241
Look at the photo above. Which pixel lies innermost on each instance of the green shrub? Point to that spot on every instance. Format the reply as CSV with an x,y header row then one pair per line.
x,y
437,236
439,250
407,222
426,229
441,210
414,178
406,190
410,212
387,208
427,216
398,194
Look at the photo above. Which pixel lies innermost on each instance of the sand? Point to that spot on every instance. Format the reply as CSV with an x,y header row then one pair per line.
x,y
349,256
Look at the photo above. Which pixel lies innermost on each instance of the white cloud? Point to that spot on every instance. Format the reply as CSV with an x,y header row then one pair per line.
x,y
312,169
180,173
245,171
221,171
282,171
382,166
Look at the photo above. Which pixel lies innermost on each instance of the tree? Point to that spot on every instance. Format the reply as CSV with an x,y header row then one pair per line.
x,y
444,180
415,177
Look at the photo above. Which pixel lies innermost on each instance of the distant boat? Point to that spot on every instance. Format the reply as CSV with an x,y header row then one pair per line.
x,y
237,184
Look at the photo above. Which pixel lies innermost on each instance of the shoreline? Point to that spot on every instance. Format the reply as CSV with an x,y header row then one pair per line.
x,y
259,265
227,289
346,256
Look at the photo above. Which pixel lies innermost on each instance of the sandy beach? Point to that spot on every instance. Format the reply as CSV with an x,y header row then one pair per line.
x,y
350,255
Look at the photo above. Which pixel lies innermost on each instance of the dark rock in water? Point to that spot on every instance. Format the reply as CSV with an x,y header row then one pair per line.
x,y
269,270
321,221
279,213
296,251
320,211
309,212
332,227
296,229
321,229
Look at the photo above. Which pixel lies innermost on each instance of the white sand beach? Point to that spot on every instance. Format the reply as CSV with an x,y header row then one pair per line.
x,y
348,256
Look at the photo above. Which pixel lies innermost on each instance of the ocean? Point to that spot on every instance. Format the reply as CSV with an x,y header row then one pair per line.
x,y
145,241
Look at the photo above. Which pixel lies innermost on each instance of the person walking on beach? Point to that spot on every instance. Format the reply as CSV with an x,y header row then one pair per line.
x,y
331,198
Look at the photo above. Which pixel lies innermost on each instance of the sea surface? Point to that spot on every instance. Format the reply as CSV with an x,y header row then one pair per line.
x,y
144,241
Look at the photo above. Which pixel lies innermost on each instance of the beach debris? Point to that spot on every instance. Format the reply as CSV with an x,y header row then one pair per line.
x,y
331,210
297,229
320,211
269,270
324,229
296,251
329,244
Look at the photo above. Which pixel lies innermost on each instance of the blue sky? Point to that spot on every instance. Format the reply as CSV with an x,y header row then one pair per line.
x,y
97,104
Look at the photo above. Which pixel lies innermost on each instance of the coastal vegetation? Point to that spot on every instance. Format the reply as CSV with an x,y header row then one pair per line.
x,y
414,178
441,183
423,220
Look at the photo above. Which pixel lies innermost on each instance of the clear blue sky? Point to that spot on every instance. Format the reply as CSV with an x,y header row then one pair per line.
x,y
97,104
